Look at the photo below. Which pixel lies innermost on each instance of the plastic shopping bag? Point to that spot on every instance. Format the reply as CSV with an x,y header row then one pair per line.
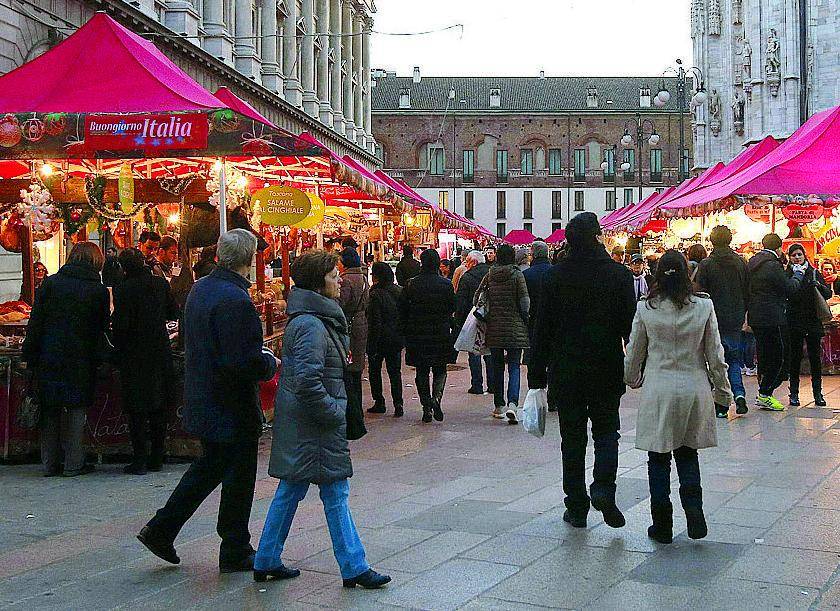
x,y
471,337
534,410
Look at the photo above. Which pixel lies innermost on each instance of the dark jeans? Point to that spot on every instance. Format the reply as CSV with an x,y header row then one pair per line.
x,y
749,349
234,466
67,428
513,357
813,341
429,396
771,350
148,436
393,363
575,410
476,378
659,478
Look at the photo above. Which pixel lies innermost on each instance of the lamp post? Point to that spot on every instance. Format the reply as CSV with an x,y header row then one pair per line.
x,y
627,140
698,99
606,166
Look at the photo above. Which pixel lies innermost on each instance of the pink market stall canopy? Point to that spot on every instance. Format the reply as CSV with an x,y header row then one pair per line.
x,y
557,236
519,237
229,100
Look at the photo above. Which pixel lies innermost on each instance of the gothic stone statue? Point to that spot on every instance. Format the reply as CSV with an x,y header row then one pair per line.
x,y
714,112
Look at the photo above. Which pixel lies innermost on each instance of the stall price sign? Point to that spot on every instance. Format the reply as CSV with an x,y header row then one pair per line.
x,y
159,131
281,206
758,212
803,214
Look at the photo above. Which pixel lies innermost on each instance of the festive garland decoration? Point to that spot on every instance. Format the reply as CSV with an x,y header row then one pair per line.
x,y
175,185
118,215
37,211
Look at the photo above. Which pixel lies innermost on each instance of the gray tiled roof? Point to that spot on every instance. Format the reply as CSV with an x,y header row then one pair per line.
x,y
530,94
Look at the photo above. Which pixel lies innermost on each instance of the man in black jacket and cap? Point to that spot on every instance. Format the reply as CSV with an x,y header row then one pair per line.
x,y
586,313
408,267
724,276
770,288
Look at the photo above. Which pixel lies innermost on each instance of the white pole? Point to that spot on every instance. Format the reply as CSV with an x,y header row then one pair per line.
x,y
222,198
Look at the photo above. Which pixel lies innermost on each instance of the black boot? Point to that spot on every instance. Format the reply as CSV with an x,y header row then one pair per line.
x,y
819,400
794,393
662,529
369,580
398,410
427,413
378,408
438,386
692,502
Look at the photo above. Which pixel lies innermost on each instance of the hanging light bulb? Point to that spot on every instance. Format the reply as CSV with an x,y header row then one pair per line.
x,y
47,170
664,96
627,139
654,139
659,102
625,166
174,218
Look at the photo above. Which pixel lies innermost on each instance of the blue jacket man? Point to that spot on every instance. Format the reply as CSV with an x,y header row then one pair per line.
x,y
224,362
534,277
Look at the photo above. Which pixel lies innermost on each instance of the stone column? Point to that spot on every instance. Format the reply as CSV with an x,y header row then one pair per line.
x,y
325,108
366,84
347,60
182,17
271,78
291,88
217,39
358,107
244,48
335,77
307,59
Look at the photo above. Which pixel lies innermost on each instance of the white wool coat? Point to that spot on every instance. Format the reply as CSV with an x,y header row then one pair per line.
x,y
676,357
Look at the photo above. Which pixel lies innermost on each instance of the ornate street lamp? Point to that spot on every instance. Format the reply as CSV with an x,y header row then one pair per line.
x,y
627,140
698,99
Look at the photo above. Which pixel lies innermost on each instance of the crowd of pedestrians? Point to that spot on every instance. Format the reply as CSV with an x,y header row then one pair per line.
x,y
586,326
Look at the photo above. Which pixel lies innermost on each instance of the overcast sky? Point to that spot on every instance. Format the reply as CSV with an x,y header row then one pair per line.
x,y
522,37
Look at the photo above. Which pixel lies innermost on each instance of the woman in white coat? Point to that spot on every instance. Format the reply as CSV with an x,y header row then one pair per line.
x,y
673,354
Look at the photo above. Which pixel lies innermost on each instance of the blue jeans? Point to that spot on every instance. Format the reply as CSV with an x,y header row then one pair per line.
x,y
513,357
733,354
749,349
347,547
476,379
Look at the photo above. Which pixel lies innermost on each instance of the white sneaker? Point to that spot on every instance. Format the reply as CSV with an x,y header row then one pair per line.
x,y
510,414
497,413
751,371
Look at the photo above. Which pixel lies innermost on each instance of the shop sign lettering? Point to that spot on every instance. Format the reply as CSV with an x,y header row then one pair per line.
x,y
281,206
802,215
758,212
146,131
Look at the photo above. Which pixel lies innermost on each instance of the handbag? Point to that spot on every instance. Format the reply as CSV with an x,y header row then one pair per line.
x,y
353,414
821,307
472,336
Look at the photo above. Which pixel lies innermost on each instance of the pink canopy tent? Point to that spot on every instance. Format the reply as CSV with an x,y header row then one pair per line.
x,y
519,237
557,236
611,221
396,185
685,202
102,68
232,101
644,212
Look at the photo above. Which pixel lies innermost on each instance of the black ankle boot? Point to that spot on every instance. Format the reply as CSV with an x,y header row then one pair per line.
x,y
369,580
282,572
819,400
378,408
398,410
697,528
662,529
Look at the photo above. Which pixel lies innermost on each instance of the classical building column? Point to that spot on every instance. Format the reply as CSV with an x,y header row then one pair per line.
x,y
335,76
366,83
291,88
244,48
358,104
182,17
325,108
347,61
217,40
271,78
307,59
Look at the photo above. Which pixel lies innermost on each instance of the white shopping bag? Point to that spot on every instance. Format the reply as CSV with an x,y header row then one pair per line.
x,y
471,337
534,410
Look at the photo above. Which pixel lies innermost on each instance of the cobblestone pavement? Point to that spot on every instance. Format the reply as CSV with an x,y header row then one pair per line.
x,y
463,514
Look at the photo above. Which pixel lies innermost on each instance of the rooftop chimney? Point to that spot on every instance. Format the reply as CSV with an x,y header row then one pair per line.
x,y
542,74
416,74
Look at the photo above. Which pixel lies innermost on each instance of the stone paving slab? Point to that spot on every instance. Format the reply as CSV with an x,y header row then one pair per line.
x,y
466,513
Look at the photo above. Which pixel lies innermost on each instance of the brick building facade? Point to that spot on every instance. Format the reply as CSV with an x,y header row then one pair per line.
x,y
526,152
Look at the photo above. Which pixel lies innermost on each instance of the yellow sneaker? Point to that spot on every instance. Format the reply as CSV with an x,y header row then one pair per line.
x,y
769,403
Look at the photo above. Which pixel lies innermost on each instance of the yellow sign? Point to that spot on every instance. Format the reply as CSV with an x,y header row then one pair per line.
x,y
125,186
316,213
281,206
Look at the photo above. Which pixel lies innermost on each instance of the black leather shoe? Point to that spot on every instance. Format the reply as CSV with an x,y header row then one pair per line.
x,y
662,529
376,409
54,472
741,406
83,471
819,400
475,391
369,580
159,546
281,572
576,520
427,415
660,534
612,514
237,566
696,521
135,469
398,410
794,399
437,412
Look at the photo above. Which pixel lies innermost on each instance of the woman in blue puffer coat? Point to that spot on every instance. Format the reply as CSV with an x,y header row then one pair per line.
x,y
310,435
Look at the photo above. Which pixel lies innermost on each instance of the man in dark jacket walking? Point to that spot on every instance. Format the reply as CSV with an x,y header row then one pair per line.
x,y
770,288
408,267
225,360
724,276
477,268
534,277
586,312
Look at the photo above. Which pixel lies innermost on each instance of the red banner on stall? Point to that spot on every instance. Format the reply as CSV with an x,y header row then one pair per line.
x,y
803,214
159,131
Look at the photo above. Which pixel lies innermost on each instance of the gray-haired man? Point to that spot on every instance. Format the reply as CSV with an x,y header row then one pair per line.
x,y
467,286
225,360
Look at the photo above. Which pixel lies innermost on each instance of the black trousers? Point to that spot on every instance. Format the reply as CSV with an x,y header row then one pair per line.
x,y
576,409
771,350
148,436
813,341
234,466
659,478
393,363
434,394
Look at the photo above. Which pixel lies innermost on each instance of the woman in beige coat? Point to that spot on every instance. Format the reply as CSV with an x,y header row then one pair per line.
x,y
673,354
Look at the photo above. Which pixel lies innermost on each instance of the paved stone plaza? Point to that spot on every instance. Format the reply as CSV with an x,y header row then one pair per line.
x,y
463,514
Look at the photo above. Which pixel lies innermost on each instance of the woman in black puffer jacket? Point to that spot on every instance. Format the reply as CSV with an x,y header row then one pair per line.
x,y
384,338
507,328
805,325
